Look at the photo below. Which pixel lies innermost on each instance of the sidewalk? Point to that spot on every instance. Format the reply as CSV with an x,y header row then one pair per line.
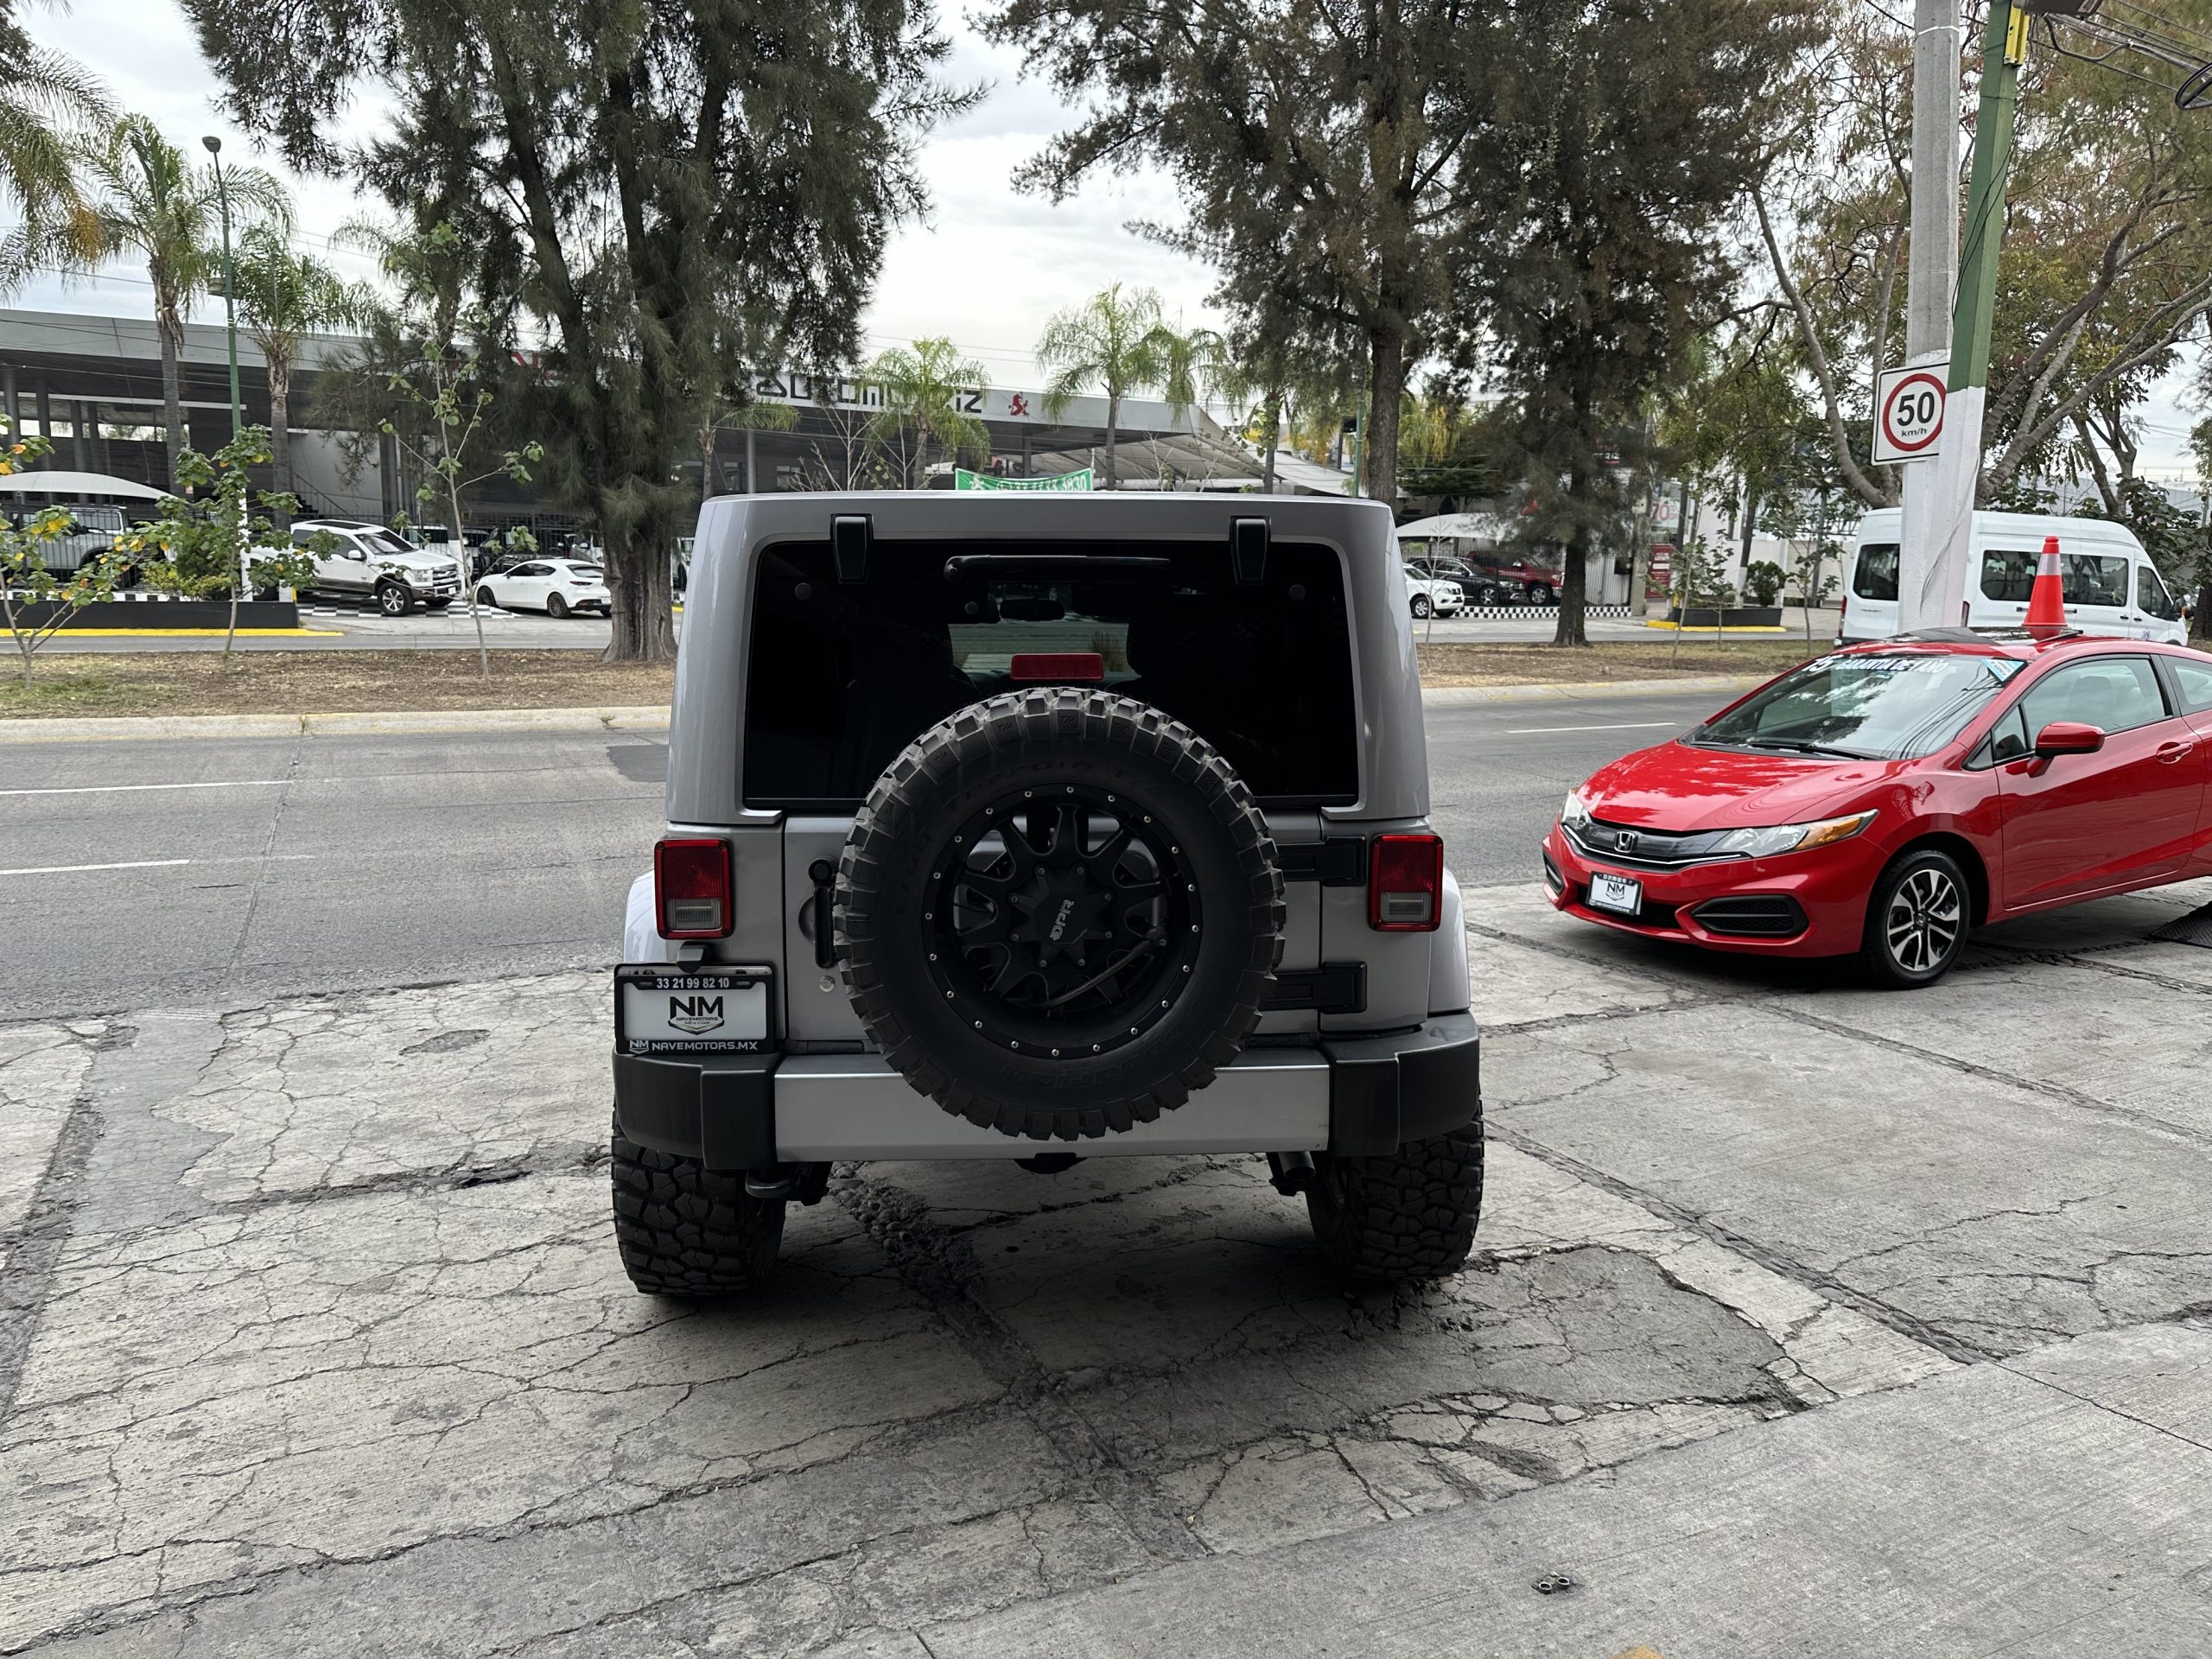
x,y
1807,1319
2057,1504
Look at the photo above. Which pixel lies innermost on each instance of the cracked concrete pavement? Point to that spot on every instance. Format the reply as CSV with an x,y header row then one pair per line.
x,y
314,1341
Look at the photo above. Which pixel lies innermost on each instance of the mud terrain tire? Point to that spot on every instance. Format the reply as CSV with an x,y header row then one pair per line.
x,y
1402,1218
687,1231
1058,913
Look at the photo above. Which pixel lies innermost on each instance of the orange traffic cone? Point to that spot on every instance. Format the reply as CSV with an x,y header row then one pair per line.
x,y
2046,604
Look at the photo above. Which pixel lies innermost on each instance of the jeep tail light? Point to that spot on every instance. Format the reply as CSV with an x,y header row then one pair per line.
x,y
1057,666
1405,884
691,889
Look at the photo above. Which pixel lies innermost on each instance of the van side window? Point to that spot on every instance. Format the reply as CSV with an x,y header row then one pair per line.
x,y
2152,597
1875,575
2009,574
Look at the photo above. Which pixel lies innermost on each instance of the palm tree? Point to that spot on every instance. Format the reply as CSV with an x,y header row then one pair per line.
x,y
1109,340
46,102
282,298
154,201
922,389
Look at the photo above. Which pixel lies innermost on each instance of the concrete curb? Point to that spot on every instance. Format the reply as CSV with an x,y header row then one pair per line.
x,y
1450,696
651,717
629,718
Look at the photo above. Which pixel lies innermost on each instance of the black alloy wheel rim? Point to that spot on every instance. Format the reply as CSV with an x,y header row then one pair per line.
x,y
1061,922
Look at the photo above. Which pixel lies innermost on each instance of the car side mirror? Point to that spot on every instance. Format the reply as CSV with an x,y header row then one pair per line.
x,y
2067,737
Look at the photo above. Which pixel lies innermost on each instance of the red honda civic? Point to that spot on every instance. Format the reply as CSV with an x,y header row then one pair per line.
x,y
1883,799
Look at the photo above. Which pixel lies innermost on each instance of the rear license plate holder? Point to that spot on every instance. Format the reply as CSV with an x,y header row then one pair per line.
x,y
662,1008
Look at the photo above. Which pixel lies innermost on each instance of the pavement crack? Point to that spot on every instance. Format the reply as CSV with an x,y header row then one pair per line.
x,y
35,1248
1905,1324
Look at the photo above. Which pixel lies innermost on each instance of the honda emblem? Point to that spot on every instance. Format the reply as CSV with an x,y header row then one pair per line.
x,y
1624,841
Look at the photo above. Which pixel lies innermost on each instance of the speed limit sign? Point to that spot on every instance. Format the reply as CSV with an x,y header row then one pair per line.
x,y
1909,413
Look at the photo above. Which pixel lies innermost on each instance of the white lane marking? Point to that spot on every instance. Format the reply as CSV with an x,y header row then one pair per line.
x,y
110,789
161,864
74,869
1626,726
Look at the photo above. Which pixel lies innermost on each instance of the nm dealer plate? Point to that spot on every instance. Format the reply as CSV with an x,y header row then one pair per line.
x,y
662,1009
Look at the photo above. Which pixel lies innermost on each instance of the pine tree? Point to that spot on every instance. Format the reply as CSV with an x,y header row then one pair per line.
x,y
669,193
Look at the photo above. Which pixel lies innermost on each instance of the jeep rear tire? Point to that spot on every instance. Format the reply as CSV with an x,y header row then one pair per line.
x,y
1058,913
687,1231
1402,1218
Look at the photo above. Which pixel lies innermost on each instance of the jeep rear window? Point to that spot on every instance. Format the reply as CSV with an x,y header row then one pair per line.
x,y
843,676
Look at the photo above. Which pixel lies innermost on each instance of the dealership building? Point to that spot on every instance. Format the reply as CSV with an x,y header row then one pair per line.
x,y
92,385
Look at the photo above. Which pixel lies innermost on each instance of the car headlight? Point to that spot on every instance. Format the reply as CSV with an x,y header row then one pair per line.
x,y
1576,812
1791,837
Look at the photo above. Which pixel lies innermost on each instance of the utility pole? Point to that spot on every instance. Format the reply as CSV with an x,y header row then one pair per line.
x,y
1957,470
1933,256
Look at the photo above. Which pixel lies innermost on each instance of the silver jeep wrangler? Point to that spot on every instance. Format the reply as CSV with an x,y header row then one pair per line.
x,y
1043,827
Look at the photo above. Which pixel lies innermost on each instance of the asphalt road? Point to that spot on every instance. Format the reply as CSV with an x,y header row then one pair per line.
x,y
342,625
206,870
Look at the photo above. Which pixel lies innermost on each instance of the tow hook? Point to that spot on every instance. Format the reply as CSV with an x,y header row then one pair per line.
x,y
1290,1172
806,1183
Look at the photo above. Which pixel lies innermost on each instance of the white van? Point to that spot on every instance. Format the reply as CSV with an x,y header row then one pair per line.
x,y
2108,581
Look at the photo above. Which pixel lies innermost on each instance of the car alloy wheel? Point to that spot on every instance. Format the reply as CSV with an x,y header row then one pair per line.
x,y
1420,604
1916,919
1925,916
393,600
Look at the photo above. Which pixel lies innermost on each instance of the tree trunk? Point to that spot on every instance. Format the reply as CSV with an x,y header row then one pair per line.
x,y
2199,621
636,573
1270,440
1573,628
1113,422
1386,387
172,399
280,434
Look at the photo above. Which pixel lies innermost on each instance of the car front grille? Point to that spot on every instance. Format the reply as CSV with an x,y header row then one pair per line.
x,y
1654,849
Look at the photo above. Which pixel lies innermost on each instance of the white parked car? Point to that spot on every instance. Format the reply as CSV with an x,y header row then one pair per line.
x,y
1433,594
556,587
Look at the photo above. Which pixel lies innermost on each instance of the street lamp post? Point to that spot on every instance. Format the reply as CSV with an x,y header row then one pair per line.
x,y
214,147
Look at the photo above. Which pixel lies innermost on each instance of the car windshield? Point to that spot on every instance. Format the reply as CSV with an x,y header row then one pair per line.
x,y
1887,708
383,541
590,572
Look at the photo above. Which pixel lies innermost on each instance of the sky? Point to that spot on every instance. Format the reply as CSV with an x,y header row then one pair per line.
x,y
988,266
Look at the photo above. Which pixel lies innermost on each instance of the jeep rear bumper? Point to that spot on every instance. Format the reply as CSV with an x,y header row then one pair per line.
x,y
1351,1095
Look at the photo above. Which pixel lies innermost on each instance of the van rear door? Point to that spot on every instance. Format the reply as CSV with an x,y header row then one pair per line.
x,y
1870,605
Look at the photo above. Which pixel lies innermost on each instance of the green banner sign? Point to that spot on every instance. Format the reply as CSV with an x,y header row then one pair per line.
x,y
964,479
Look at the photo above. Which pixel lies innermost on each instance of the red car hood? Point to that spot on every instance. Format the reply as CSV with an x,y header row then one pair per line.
x,y
1677,787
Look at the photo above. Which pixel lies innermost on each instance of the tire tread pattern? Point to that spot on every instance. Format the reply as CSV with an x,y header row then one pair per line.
x,y
687,1231
1406,1216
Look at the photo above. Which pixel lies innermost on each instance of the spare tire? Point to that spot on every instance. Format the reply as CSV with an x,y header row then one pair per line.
x,y
1058,913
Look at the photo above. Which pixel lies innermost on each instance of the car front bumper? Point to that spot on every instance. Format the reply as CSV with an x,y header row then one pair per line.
x,y
1828,887
1351,1095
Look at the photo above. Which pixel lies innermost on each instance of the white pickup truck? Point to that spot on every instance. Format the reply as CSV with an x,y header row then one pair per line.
x,y
373,562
